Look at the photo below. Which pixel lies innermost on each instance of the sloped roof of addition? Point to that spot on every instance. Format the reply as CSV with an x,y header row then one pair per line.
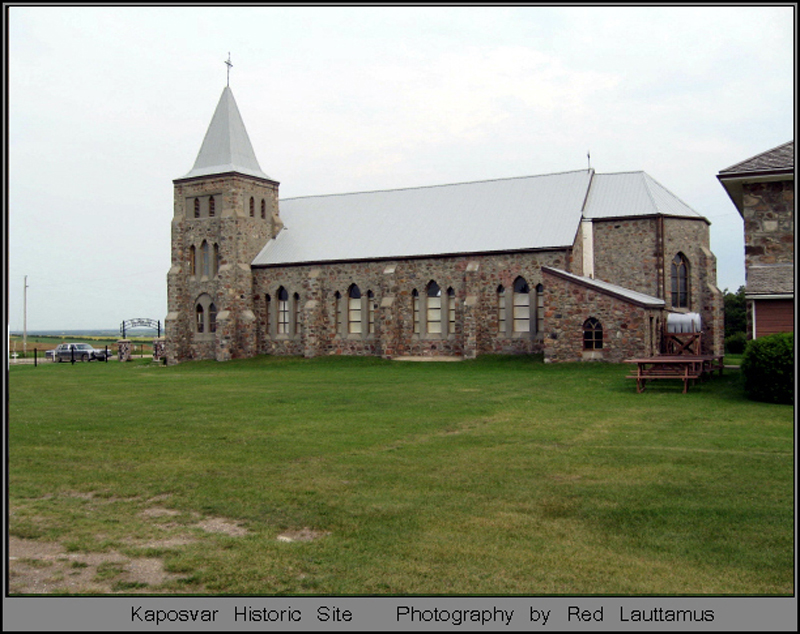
x,y
770,279
620,292
513,214
226,147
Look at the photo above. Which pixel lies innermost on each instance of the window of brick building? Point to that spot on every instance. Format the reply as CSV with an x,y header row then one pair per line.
x,y
592,334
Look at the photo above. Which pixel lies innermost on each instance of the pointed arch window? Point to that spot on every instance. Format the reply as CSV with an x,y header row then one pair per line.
x,y
433,310
252,207
592,334
337,312
205,262
212,207
501,309
370,313
200,318
215,261
196,207
283,311
267,306
539,308
212,318
415,310
680,281
193,260
354,310
451,310
263,209
522,306
296,323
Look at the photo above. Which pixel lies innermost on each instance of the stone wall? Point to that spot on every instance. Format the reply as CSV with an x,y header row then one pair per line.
x,y
315,328
629,330
768,213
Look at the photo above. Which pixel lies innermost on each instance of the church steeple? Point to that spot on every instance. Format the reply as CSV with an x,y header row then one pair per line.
x,y
226,147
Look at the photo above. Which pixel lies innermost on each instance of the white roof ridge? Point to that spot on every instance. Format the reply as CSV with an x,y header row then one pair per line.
x,y
417,187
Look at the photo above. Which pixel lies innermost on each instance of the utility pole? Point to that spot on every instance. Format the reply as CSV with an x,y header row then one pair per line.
x,y
25,318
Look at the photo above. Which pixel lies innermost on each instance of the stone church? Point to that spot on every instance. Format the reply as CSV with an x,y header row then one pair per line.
x,y
573,265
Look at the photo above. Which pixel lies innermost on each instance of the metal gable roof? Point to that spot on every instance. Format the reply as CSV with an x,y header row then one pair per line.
x,y
620,292
534,212
628,194
226,146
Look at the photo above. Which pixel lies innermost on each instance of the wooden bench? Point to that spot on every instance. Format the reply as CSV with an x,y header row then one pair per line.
x,y
682,367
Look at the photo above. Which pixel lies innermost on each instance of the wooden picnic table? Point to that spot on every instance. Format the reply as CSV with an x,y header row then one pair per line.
x,y
684,367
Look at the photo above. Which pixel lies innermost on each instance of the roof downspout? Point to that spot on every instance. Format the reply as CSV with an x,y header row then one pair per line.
x,y
587,234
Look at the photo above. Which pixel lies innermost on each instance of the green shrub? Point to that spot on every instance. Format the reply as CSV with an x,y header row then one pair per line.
x,y
768,368
736,343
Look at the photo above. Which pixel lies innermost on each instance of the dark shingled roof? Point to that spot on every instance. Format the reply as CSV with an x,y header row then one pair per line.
x,y
770,279
777,159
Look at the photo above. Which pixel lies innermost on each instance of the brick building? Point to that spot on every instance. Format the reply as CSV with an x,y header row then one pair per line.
x,y
574,265
762,188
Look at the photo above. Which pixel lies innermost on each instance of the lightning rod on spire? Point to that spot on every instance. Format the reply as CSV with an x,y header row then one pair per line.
x,y
229,64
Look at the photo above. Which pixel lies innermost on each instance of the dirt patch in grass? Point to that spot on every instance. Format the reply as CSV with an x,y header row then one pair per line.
x,y
46,567
303,535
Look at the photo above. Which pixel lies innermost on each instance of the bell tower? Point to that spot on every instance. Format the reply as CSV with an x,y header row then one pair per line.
x,y
225,210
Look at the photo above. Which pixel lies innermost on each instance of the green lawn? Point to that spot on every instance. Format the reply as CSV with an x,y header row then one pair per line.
x,y
502,475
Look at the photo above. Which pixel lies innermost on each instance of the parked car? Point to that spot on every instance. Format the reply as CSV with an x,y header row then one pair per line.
x,y
77,351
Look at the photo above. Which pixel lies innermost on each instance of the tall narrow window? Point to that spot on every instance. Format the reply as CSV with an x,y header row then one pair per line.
x,y
200,316
283,311
212,208
196,207
522,306
370,313
193,260
433,311
337,312
297,323
680,281
592,334
252,207
501,309
539,308
451,310
205,262
215,263
212,318
415,310
267,307
263,209
354,310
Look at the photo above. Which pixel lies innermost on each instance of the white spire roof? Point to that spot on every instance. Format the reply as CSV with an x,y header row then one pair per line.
x,y
226,146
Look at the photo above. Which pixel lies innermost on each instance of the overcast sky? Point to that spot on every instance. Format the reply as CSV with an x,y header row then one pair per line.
x,y
106,106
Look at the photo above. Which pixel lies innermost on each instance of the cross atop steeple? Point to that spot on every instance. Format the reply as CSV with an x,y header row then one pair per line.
x,y
228,64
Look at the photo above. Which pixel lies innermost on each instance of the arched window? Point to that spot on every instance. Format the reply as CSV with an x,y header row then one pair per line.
x,y
522,305
297,323
215,263
680,281
205,315
539,308
200,318
267,306
501,309
433,311
196,207
451,310
212,318
354,310
592,334
252,207
212,209
205,263
263,209
370,313
415,310
337,312
283,311
193,260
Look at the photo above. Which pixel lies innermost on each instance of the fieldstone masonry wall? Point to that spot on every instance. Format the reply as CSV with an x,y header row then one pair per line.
x,y
768,213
